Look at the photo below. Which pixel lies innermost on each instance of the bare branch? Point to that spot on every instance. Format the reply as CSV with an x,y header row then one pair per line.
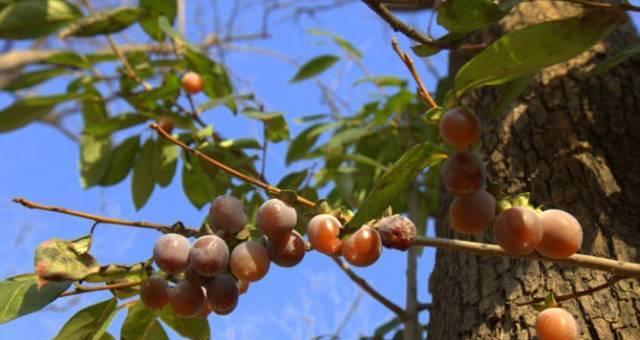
x,y
370,290
107,220
408,62
618,267
84,289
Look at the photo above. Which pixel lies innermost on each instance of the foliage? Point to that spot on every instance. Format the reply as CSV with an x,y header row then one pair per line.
x,y
367,158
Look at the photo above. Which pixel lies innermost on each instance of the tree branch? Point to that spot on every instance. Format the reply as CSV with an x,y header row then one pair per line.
x,y
618,267
408,62
108,220
370,290
84,289
229,170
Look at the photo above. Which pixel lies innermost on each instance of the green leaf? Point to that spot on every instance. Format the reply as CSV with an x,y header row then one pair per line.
x,y
102,22
121,161
240,143
395,181
314,67
141,324
116,272
82,245
303,142
293,181
22,296
196,184
617,58
276,128
29,19
153,10
510,92
167,28
94,108
94,159
216,80
390,81
69,59
27,110
89,323
425,50
191,328
468,15
117,123
386,327
534,47
165,160
56,260
341,42
142,183
30,79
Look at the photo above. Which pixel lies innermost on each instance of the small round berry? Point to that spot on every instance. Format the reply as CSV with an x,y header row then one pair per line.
x,y
276,219
171,253
363,248
250,261
186,299
166,124
287,252
323,232
561,234
209,255
222,294
518,230
227,213
472,214
154,292
463,173
556,324
459,128
192,83
396,232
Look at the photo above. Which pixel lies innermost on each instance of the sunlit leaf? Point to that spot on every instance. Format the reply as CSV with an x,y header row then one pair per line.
x,y
534,47
276,128
468,15
102,22
89,323
142,182
55,260
30,79
121,161
94,159
192,328
27,110
21,296
395,181
142,324
153,10
29,19
314,67
164,162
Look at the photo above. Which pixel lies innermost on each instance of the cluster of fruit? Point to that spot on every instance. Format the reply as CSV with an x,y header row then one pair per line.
x,y
214,276
518,229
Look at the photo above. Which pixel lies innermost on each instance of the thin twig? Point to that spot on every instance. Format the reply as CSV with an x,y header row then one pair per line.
x,y
409,31
406,59
194,112
617,267
370,290
107,220
84,289
559,298
229,170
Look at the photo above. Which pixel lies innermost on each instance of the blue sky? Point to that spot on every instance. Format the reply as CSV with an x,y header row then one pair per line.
x,y
309,300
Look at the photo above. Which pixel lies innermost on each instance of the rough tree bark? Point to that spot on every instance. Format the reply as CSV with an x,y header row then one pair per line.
x,y
573,141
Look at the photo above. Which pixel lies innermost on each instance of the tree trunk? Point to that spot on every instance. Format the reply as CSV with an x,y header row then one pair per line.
x,y
573,141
